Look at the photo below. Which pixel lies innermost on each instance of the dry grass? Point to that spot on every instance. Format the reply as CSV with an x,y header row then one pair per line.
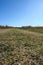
x,y
21,47
4,30
33,29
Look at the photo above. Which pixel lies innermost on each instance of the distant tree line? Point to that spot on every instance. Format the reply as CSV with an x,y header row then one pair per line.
x,y
4,27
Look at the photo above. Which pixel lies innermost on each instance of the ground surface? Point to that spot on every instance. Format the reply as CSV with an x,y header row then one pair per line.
x,y
21,47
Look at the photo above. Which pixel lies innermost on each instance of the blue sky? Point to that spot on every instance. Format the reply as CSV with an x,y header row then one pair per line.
x,y
21,12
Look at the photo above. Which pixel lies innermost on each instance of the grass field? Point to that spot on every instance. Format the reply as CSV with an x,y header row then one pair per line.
x,y
33,29
21,47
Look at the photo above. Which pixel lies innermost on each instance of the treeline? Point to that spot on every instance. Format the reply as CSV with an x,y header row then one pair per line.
x,y
29,27
4,27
